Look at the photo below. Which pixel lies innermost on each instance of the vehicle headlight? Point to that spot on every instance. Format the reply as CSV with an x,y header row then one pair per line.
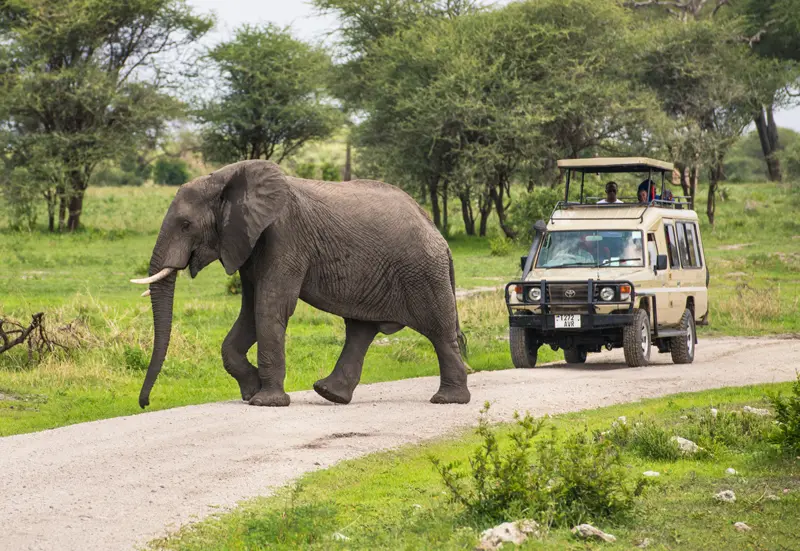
x,y
607,293
535,294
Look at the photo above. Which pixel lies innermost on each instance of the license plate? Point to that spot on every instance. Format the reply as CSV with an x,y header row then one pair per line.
x,y
568,322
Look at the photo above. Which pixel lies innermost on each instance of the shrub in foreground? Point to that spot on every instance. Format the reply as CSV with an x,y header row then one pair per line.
x,y
558,481
786,434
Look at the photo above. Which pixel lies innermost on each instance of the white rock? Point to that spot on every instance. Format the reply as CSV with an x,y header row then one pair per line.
x,y
684,417
417,506
686,446
651,473
742,527
757,411
714,412
726,496
508,532
730,470
338,536
773,497
587,531
644,543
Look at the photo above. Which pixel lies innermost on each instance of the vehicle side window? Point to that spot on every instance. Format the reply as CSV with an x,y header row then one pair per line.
x,y
693,246
672,247
682,248
652,249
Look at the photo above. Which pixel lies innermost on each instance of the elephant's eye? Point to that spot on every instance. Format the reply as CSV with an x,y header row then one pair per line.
x,y
186,225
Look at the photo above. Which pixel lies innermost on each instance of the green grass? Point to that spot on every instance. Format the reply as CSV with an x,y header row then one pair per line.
x,y
83,279
395,500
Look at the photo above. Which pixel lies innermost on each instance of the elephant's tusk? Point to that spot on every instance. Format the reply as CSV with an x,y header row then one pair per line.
x,y
146,293
153,278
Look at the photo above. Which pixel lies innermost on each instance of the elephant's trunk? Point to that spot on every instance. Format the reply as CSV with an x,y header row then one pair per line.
x,y
161,295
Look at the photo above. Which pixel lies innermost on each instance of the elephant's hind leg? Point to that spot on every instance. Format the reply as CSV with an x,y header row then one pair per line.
x,y
239,340
338,387
453,375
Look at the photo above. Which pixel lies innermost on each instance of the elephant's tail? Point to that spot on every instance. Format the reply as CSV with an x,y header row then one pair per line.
x,y
462,338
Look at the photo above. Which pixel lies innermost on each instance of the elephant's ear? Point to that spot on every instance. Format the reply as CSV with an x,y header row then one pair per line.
x,y
253,195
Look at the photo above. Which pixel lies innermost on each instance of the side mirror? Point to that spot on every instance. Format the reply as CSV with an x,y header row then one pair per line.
x,y
661,262
522,261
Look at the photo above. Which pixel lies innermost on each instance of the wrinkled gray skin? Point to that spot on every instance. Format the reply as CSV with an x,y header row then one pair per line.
x,y
362,250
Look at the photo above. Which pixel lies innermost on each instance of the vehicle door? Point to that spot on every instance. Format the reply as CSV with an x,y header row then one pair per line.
x,y
693,280
671,293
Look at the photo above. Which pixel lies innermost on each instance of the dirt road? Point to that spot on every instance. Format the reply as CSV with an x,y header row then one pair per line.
x,y
118,483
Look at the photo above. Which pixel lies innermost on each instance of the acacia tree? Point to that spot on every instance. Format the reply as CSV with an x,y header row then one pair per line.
x,y
272,98
82,82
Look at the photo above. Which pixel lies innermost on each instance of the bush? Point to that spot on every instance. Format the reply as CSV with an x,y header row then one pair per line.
x,y
786,434
330,172
234,285
135,358
499,245
533,206
560,483
306,170
171,172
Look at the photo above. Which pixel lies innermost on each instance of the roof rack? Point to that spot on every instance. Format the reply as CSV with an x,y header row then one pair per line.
x,y
563,205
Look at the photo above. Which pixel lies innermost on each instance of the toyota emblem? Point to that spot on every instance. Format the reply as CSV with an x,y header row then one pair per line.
x,y
569,293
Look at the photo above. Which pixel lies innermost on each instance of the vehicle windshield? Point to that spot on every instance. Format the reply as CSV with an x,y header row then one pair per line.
x,y
587,248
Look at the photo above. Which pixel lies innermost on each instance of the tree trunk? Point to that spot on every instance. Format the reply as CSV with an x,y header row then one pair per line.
x,y
682,170
75,208
62,208
497,197
694,178
485,209
347,168
433,192
711,204
466,213
445,223
768,136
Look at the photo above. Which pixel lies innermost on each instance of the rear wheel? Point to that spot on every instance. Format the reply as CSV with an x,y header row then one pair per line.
x,y
523,355
636,339
576,355
682,347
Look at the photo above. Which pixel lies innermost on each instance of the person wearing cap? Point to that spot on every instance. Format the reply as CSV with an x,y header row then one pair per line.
x,y
648,186
611,194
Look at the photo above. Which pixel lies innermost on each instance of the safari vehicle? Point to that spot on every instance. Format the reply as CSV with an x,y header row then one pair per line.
x,y
619,275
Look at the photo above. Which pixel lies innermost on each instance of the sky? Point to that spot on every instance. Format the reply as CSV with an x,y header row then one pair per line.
x,y
313,27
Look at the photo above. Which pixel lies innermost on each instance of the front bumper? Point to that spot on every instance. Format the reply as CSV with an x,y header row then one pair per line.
x,y
545,323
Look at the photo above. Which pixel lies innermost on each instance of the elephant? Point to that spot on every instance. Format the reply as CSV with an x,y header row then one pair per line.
x,y
363,250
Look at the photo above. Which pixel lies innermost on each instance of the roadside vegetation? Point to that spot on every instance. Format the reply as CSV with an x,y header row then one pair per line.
x,y
585,467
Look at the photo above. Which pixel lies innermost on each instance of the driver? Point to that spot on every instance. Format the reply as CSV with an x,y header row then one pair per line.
x,y
611,194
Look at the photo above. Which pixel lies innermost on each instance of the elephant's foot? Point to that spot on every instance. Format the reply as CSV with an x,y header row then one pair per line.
x,y
333,390
451,395
273,398
249,385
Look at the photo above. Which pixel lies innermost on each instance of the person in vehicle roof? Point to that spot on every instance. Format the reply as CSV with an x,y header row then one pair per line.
x,y
643,191
611,194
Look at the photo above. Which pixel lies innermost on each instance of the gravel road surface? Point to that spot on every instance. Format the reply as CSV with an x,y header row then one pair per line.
x,y
118,483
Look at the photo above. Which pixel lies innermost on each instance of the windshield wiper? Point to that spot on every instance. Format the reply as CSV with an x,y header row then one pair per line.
x,y
610,260
573,265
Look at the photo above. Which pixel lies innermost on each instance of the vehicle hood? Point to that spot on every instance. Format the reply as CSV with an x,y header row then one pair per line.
x,y
585,274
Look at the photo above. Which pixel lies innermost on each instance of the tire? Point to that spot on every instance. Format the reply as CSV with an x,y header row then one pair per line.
x,y
575,355
521,354
636,339
683,347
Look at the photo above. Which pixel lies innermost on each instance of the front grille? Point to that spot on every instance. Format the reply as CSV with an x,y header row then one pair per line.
x,y
567,293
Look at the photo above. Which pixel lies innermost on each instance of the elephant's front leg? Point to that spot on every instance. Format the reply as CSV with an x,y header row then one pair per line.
x,y
240,339
339,385
272,315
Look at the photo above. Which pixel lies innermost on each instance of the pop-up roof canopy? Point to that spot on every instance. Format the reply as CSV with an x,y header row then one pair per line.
x,y
615,164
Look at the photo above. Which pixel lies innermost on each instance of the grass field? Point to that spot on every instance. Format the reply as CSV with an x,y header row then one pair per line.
x,y
82,280
396,500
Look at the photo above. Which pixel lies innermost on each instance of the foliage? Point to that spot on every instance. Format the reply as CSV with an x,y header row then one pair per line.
x,y
499,245
171,171
531,207
561,484
78,85
234,284
787,416
271,100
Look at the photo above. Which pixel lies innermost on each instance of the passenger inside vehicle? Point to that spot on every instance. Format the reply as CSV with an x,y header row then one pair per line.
x,y
643,191
611,194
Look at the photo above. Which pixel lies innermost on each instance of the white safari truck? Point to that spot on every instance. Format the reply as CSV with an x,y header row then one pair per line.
x,y
625,274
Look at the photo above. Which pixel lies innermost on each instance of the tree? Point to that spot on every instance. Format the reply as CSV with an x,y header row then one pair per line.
x,y
272,99
82,82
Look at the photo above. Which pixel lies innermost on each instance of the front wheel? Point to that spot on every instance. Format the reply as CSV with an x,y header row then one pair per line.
x,y
523,355
575,355
682,347
636,339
